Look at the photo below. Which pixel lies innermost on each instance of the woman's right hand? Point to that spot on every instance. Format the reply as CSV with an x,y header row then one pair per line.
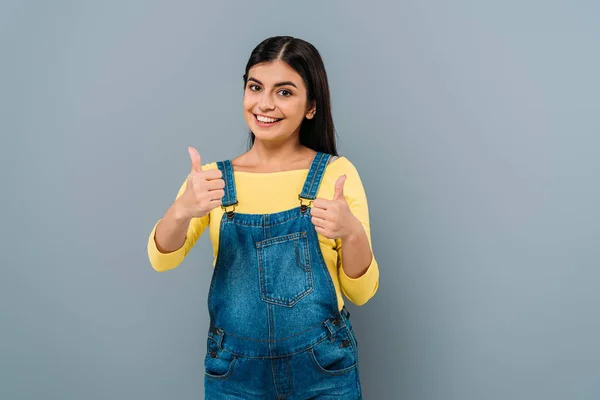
x,y
203,192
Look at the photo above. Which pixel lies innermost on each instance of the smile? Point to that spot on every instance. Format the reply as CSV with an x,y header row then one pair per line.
x,y
265,121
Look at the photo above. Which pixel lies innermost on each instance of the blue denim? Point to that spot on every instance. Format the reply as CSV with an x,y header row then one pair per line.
x,y
275,328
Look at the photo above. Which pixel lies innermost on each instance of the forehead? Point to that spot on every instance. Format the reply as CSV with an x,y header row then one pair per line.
x,y
272,72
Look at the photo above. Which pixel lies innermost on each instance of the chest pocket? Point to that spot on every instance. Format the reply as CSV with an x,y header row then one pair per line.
x,y
284,269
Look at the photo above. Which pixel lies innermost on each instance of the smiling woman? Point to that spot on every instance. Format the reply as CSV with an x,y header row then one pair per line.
x,y
286,254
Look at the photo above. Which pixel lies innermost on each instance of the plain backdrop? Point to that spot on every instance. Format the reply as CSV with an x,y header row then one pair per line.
x,y
473,124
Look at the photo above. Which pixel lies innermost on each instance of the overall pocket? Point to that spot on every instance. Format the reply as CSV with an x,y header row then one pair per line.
x,y
218,363
284,269
335,357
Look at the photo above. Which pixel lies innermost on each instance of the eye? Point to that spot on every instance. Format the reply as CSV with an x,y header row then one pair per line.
x,y
285,93
253,87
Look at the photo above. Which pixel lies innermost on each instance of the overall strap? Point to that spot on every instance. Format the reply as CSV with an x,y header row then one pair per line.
x,y
230,198
314,178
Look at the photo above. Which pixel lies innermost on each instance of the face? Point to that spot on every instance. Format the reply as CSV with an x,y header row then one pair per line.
x,y
275,102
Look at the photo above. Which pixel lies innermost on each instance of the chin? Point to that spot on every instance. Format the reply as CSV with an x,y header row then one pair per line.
x,y
268,136
267,133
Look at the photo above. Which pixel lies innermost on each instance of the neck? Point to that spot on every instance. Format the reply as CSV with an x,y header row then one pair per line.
x,y
276,154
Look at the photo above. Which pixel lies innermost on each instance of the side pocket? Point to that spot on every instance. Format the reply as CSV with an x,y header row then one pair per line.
x,y
284,269
335,357
218,363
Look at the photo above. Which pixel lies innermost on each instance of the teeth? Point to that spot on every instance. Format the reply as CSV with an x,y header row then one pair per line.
x,y
265,119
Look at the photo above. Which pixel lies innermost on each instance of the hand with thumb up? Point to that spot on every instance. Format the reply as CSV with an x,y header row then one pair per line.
x,y
333,218
204,189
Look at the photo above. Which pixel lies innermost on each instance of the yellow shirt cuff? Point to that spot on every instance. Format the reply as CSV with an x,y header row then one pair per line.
x,y
360,290
163,261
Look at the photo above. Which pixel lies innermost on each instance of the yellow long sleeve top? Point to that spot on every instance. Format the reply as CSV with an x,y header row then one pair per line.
x,y
266,193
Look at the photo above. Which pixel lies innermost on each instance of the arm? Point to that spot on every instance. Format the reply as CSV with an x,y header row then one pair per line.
x,y
173,237
356,251
346,220
183,223
171,230
358,269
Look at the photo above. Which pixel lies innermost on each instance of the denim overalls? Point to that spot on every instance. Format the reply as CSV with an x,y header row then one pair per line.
x,y
275,328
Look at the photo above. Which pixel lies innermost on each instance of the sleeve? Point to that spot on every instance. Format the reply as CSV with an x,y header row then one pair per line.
x,y
358,290
165,261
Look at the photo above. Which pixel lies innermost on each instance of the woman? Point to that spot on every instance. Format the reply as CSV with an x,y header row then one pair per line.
x,y
289,225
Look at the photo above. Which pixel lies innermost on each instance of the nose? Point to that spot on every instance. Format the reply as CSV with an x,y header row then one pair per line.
x,y
266,102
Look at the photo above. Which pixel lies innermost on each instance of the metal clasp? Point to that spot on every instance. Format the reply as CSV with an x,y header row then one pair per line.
x,y
304,207
230,212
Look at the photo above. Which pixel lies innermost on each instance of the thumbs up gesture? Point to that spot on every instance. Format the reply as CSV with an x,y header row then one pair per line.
x,y
333,218
204,189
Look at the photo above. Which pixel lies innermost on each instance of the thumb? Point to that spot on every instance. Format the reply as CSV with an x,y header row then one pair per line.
x,y
196,159
339,188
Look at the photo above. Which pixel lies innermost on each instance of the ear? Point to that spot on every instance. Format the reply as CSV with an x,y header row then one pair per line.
x,y
312,110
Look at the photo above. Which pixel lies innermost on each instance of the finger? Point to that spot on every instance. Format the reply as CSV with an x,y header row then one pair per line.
x,y
215,184
213,174
216,194
339,188
321,203
321,231
215,203
319,222
196,159
318,212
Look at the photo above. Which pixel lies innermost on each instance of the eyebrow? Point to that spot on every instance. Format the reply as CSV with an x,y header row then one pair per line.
x,y
286,83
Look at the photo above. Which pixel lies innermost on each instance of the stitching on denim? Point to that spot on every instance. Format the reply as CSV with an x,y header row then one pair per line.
x,y
294,300
302,239
343,371
227,375
271,361
261,273
342,336
322,168
281,239
281,355
271,323
332,291
225,174
287,361
315,175
229,370
272,340
232,193
310,176
307,258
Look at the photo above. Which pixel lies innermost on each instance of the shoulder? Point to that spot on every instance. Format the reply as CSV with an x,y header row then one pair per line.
x,y
353,186
341,165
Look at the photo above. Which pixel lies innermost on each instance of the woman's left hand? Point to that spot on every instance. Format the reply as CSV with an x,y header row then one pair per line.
x,y
333,218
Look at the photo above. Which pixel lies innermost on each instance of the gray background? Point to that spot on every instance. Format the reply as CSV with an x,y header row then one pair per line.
x,y
474,126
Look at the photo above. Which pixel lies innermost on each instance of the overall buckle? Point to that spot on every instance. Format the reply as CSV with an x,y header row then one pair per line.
x,y
304,207
230,212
